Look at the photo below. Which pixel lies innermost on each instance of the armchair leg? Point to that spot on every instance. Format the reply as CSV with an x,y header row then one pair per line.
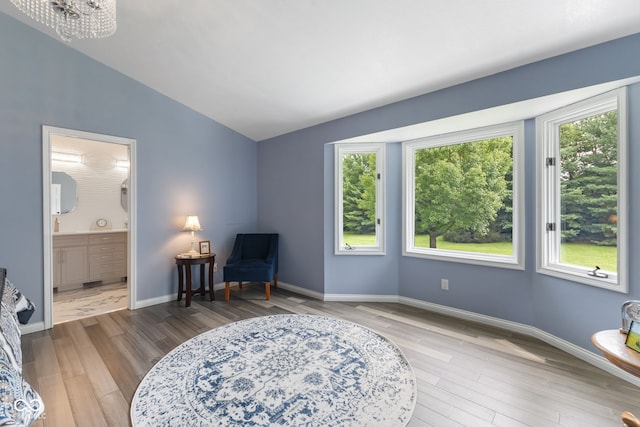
x,y
267,289
239,285
275,280
226,291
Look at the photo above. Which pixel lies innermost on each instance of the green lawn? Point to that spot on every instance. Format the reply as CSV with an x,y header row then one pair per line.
x,y
360,239
571,253
498,248
589,255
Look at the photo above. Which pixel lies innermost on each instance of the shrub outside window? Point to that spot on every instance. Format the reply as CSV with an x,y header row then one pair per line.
x,y
463,196
582,194
359,181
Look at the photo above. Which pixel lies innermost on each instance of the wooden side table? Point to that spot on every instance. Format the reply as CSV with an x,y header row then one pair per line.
x,y
611,344
184,266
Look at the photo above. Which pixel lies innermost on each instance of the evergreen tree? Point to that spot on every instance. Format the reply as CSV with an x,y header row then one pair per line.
x,y
588,154
359,193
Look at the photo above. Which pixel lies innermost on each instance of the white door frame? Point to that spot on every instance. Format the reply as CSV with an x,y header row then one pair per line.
x,y
47,133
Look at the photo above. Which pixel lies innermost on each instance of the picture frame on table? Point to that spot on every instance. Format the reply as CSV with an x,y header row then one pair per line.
x,y
633,336
205,247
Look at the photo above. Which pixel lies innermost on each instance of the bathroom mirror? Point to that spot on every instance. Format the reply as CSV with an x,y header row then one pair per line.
x,y
124,200
64,193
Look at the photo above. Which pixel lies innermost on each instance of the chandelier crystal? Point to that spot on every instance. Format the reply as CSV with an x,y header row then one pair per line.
x,y
73,18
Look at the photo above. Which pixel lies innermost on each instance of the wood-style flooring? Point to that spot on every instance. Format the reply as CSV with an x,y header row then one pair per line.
x,y
468,374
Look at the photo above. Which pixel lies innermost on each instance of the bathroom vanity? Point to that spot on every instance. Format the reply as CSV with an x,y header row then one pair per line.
x,y
91,258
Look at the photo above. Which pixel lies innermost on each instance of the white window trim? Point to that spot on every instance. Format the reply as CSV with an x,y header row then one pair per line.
x,y
516,260
355,148
549,201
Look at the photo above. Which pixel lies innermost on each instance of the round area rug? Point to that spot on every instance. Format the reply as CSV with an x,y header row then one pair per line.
x,y
289,370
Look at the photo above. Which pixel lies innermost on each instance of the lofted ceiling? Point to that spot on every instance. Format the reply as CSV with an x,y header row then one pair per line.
x,y
268,67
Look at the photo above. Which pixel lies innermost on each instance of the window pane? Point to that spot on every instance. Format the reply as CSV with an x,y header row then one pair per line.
x,y
589,192
359,199
583,192
464,197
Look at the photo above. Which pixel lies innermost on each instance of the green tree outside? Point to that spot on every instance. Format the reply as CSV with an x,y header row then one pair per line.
x,y
464,192
461,187
588,182
359,193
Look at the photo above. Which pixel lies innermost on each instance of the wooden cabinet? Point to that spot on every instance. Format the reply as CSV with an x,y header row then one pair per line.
x,y
70,262
88,258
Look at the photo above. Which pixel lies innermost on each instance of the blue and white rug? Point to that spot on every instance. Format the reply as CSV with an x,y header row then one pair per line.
x,y
288,370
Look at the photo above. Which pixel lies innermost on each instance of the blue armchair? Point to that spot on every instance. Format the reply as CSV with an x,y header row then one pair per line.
x,y
254,259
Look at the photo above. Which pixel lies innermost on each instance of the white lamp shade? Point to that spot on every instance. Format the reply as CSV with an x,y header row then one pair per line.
x,y
192,224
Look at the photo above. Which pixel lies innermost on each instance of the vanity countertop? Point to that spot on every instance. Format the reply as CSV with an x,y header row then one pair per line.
x,y
75,233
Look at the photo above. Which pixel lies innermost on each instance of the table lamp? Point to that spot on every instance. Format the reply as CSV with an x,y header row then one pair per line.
x,y
192,224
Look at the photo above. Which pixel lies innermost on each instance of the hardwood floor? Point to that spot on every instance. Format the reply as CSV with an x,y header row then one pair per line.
x,y
468,374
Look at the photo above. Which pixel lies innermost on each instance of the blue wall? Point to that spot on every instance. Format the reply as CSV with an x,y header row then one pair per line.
x,y
187,163
300,165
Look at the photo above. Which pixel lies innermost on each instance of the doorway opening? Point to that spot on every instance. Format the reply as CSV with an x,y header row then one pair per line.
x,y
89,224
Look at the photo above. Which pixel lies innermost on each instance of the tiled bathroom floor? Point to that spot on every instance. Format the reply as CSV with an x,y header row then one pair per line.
x,y
77,304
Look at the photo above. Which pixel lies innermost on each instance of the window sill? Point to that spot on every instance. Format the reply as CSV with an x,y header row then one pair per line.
x,y
584,279
497,261
359,251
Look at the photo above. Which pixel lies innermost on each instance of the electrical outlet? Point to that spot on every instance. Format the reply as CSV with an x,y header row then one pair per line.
x,y
215,267
444,284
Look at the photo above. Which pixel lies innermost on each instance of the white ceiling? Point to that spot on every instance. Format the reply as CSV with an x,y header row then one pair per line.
x,y
268,67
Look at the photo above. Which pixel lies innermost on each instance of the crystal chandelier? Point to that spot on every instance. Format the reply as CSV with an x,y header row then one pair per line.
x,y
73,18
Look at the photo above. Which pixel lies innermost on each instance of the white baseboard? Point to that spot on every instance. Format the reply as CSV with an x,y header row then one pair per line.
x,y
566,346
32,327
220,286
360,298
301,291
574,350
155,301
467,315
570,348
216,287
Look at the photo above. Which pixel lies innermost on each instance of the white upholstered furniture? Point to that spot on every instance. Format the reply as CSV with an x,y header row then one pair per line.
x,y
20,404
